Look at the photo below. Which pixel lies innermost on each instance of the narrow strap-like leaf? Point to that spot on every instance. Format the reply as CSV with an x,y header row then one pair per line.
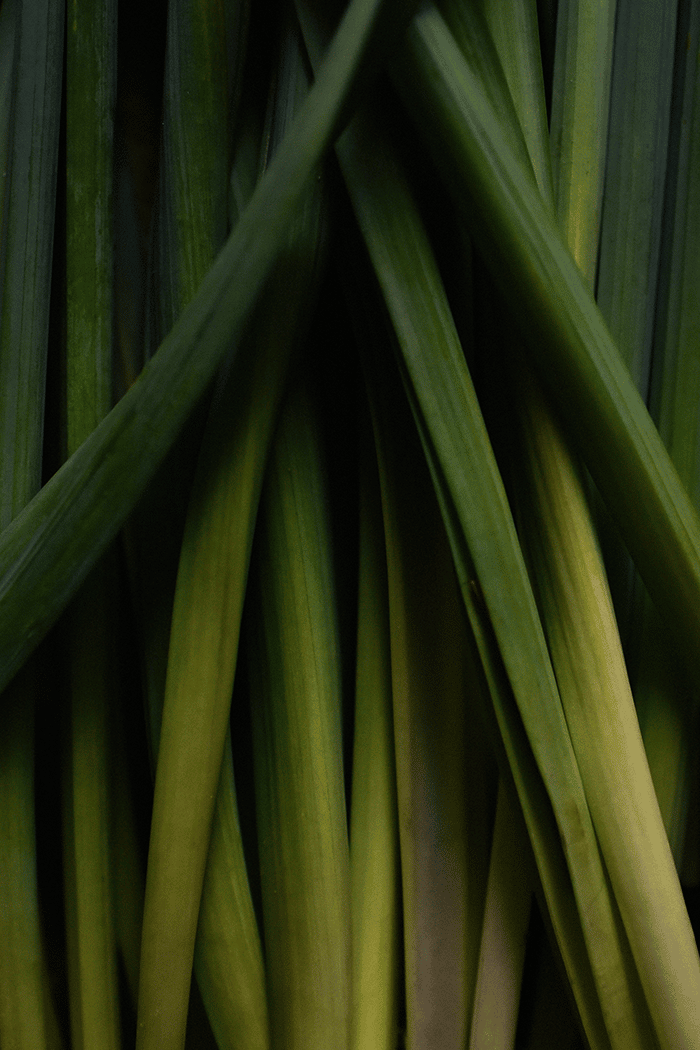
x,y
514,30
294,671
587,657
192,223
24,318
374,838
431,685
579,122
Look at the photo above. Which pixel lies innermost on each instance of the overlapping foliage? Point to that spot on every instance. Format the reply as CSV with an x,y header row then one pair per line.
x,y
350,554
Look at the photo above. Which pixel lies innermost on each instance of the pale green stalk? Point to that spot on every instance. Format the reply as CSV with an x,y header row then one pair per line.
x,y
228,939
514,31
295,695
432,897
516,756
227,936
228,960
374,841
590,668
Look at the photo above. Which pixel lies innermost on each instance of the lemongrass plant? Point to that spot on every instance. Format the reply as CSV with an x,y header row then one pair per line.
x,y
432,815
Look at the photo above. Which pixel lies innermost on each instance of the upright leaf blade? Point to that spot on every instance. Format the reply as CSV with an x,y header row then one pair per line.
x,y
374,839
295,681
24,323
579,124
